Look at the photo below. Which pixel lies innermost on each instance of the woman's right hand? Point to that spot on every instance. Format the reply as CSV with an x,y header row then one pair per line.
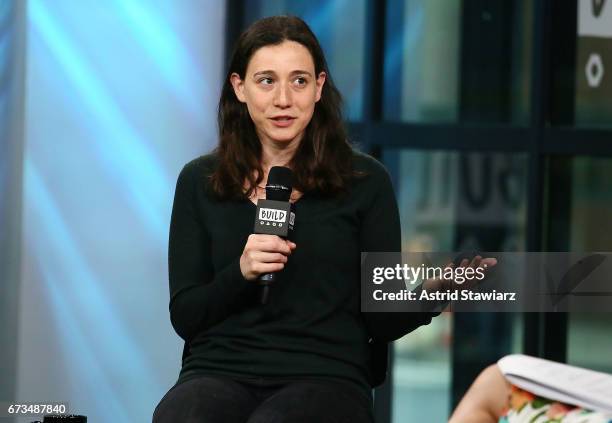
x,y
264,254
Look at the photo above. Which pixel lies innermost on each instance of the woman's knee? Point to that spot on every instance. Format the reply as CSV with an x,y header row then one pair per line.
x,y
320,402
205,400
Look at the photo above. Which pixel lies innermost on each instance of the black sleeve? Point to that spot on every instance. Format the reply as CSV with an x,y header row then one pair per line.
x,y
199,298
381,232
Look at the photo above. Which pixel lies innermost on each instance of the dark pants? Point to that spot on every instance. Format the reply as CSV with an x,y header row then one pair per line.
x,y
219,399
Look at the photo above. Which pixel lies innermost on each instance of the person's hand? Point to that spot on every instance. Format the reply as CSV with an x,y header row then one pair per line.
x,y
444,285
477,262
264,254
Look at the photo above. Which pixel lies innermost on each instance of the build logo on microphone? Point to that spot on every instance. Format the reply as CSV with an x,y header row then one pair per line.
x,y
272,217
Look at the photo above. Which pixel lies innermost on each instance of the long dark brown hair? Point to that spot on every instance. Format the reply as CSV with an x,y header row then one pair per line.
x,y
322,161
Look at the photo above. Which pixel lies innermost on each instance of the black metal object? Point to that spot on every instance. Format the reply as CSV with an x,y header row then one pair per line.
x,y
234,25
562,58
373,101
485,60
534,323
545,334
552,343
375,59
577,141
464,138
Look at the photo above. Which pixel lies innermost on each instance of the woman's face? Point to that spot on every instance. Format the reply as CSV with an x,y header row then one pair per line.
x,y
280,90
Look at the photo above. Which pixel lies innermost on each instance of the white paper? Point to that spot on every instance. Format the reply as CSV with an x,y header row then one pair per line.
x,y
560,382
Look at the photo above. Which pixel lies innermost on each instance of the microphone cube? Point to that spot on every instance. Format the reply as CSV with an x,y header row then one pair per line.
x,y
274,218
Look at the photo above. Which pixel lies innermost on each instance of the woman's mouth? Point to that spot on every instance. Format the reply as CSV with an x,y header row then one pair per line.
x,y
282,121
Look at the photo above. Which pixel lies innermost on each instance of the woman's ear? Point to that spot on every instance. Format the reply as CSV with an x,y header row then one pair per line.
x,y
320,82
238,85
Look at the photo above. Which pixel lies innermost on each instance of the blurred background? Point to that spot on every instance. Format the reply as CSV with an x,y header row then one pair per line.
x,y
494,118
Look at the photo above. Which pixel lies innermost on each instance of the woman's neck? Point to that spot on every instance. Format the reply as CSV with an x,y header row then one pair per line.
x,y
277,153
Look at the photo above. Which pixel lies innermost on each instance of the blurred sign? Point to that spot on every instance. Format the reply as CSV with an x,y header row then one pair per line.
x,y
595,18
594,62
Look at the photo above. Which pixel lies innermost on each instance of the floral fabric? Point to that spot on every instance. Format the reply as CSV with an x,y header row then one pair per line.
x,y
525,407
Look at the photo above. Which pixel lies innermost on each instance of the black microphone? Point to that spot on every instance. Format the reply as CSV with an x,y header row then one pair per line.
x,y
275,216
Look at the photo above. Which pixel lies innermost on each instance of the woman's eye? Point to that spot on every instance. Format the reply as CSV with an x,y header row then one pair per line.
x,y
300,81
266,81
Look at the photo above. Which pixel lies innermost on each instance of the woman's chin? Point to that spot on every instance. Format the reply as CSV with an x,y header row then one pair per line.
x,y
283,138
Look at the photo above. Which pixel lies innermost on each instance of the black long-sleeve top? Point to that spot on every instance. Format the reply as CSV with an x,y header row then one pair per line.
x,y
312,326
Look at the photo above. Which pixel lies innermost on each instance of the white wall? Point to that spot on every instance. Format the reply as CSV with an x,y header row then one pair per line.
x,y
119,95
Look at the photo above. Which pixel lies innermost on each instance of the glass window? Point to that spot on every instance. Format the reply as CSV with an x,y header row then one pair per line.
x,y
450,201
590,226
449,61
340,28
421,69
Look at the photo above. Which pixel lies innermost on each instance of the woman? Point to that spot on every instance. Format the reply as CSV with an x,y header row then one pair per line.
x,y
492,399
486,400
308,354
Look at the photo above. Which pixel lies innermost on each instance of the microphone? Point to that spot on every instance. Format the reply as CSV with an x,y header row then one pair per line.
x,y
275,216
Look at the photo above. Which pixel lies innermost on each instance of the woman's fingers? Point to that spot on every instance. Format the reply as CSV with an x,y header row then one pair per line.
x,y
478,261
264,257
264,254
255,263
475,262
273,244
260,268
489,262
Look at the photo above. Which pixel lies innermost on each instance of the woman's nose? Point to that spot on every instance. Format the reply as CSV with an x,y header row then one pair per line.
x,y
283,96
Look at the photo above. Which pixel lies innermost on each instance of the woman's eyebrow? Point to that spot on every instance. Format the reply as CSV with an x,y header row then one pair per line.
x,y
301,72
264,72
271,72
